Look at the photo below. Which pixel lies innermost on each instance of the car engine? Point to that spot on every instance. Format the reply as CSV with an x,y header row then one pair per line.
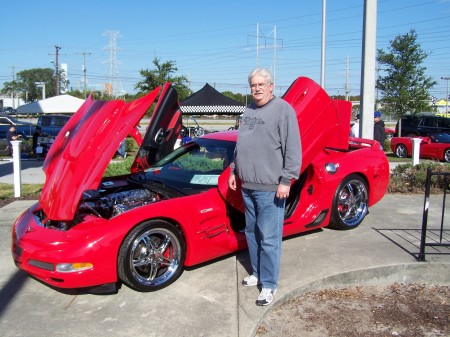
x,y
103,204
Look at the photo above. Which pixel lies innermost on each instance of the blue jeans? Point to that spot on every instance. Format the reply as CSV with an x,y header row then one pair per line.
x,y
264,217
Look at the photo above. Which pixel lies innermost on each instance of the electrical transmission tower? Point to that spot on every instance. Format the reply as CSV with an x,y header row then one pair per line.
x,y
269,40
114,87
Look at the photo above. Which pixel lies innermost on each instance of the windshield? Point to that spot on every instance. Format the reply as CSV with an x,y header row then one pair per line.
x,y
440,137
194,167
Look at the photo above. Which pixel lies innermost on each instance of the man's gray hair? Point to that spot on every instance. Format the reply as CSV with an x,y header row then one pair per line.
x,y
261,72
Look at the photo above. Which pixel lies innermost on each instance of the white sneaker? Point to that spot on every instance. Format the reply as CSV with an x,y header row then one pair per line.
x,y
266,296
250,281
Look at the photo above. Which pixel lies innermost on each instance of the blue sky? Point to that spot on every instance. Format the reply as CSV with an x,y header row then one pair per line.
x,y
215,41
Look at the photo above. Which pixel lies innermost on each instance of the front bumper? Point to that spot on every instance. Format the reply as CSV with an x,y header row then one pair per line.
x,y
38,250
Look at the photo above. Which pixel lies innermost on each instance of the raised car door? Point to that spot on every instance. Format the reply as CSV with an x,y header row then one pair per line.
x,y
162,132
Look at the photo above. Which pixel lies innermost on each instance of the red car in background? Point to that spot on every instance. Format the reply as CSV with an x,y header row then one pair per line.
x,y
175,209
435,146
389,132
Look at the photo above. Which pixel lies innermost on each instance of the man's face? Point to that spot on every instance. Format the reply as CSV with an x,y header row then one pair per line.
x,y
261,90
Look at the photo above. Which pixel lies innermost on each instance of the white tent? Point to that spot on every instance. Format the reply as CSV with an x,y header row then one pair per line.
x,y
64,104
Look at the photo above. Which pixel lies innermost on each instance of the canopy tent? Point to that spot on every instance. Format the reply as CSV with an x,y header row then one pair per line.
x,y
62,104
208,101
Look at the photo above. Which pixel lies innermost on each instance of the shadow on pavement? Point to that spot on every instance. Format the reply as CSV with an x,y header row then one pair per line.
x,y
409,240
7,168
11,288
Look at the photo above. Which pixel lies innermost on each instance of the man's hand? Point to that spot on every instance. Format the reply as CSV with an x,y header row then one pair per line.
x,y
232,182
283,191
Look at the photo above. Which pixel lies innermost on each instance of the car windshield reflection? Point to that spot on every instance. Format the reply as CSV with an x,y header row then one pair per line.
x,y
440,138
194,167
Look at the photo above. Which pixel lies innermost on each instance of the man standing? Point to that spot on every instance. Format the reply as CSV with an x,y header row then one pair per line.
x,y
11,135
379,132
267,158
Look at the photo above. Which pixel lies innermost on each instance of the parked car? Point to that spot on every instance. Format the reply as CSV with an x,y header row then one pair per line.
x,y
389,132
435,146
26,129
422,125
175,208
8,110
52,124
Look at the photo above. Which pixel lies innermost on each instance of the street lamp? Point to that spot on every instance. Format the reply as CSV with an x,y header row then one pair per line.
x,y
446,98
41,85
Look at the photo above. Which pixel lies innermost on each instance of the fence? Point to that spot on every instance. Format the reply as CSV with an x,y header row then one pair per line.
x,y
426,204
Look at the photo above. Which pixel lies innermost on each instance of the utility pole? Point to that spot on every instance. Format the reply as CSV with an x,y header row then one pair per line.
x,y
347,91
84,71
57,48
14,88
322,67
368,69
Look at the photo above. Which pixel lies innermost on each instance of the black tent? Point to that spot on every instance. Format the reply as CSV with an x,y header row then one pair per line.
x,y
208,101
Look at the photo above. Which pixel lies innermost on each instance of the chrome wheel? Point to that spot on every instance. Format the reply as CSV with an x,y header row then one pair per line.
x,y
350,204
401,151
152,256
447,155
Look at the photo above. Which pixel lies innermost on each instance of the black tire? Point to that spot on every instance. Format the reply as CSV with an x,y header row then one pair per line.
x,y
152,256
447,155
350,203
401,151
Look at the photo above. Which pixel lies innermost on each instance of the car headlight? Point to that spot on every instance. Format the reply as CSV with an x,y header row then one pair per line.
x,y
73,267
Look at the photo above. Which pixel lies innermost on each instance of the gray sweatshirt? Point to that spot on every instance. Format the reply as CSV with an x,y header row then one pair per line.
x,y
268,150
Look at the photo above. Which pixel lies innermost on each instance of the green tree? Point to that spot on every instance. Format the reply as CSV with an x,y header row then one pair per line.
x,y
162,73
25,83
405,86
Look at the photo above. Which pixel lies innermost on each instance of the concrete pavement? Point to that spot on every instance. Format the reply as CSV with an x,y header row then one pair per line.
x,y
209,300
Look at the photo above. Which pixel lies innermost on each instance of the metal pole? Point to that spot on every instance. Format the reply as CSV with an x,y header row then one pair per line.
x,y
446,98
368,69
57,71
322,68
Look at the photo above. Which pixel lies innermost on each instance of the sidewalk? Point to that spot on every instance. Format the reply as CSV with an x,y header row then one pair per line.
x,y
209,300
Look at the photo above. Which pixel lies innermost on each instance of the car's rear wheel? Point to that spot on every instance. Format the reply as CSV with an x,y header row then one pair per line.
x,y
152,256
447,155
401,151
350,203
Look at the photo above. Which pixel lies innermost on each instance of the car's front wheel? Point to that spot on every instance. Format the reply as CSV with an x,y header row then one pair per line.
x,y
350,203
152,256
401,151
447,155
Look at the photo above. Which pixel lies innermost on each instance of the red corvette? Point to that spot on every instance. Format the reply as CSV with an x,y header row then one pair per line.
x,y
175,209
436,146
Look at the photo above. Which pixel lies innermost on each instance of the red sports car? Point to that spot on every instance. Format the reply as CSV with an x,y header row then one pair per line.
x,y
175,208
436,146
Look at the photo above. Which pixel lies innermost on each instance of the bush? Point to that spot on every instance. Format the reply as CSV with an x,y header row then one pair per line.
x,y
406,178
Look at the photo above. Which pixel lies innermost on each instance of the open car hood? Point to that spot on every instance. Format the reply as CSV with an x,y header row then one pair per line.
x,y
83,149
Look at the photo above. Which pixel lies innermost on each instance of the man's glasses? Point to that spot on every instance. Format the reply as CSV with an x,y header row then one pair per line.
x,y
256,85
